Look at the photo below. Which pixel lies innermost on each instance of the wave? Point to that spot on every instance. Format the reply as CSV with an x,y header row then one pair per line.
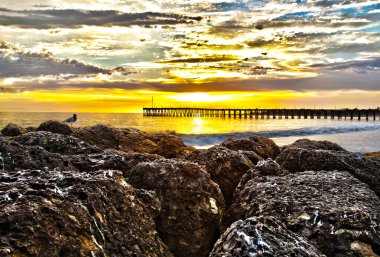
x,y
212,139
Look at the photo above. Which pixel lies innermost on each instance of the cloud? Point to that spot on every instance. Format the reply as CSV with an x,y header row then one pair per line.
x,y
69,18
16,62
361,66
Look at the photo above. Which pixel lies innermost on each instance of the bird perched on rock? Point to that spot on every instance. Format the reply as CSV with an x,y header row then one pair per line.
x,y
71,119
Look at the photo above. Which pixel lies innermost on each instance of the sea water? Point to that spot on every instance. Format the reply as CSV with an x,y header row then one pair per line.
x,y
354,135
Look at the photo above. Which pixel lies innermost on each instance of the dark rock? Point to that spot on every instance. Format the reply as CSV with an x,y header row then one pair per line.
x,y
72,214
110,159
336,212
263,168
133,140
151,201
55,127
316,145
56,143
263,236
12,130
263,146
299,159
252,156
191,204
225,166
15,156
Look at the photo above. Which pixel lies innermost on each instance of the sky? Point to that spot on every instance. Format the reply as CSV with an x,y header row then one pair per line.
x,y
116,55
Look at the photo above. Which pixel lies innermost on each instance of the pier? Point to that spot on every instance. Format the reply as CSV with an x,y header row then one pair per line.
x,y
347,114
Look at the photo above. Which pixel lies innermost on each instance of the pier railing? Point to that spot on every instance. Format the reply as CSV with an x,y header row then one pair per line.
x,y
365,114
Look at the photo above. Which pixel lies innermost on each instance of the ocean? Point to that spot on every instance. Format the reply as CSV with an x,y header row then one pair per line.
x,y
353,135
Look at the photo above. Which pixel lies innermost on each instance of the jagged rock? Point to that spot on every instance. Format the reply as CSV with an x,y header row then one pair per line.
x,y
225,166
12,130
56,143
55,127
191,204
151,201
110,159
14,156
263,146
70,214
262,236
268,167
133,140
252,156
334,210
299,159
315,145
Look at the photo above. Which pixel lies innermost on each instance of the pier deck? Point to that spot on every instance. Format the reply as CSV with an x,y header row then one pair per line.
x,y
359,114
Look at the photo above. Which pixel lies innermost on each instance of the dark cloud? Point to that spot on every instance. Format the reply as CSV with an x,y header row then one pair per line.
x,y
359,65
213,58
48,19
16,62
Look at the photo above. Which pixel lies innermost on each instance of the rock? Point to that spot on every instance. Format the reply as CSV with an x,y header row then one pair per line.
x,y
71,214
263,168
332,209
55,127
14,156
261,236
375,156
191,204
110,159
315,145
151,201
299,159
252,156
225,166
133,140
56,143
12,130
264,147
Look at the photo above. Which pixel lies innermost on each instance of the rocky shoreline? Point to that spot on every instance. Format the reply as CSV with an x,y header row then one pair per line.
x,y
103,191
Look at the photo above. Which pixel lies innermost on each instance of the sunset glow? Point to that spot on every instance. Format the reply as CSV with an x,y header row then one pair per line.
x,y
114,56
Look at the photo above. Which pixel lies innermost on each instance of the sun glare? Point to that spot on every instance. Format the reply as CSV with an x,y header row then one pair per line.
x,y
200,97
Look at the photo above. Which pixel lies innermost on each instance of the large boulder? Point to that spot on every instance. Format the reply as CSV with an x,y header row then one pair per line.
x,y
133,140
263,146
316,145
15,156
72,214
56,143
262,236
225,166
300,159
12,130
338,214
55,127
191,204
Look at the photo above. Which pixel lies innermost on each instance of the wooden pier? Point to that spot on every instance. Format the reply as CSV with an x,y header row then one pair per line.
x,y
347,114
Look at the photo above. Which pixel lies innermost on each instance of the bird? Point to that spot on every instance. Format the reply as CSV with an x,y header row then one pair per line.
x,y
71,119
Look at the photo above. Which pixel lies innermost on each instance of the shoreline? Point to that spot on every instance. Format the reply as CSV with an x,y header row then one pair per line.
x,y
106,191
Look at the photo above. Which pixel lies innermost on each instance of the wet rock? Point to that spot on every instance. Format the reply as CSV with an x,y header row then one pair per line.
x,y
225,166
70,214
15,156
315,145
332,209
133,140
12,130
110,159
299,159
56,143
264,147
191,204
261,236
55,127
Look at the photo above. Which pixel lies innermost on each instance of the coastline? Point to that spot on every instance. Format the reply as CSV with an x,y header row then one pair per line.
x,y
91,190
